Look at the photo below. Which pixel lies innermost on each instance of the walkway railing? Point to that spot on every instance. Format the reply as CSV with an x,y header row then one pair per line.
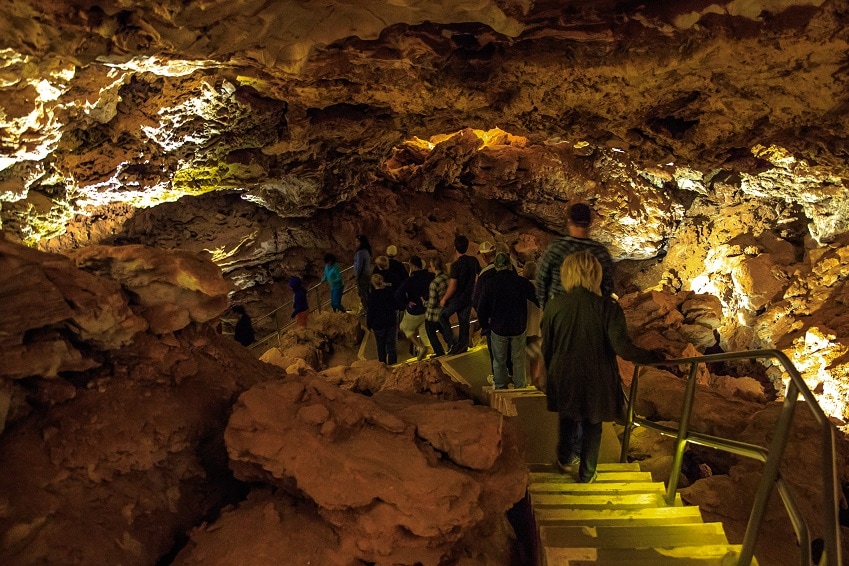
x,y
771,457
280,316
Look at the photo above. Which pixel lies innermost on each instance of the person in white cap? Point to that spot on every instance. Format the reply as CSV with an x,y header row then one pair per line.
x,y
396,266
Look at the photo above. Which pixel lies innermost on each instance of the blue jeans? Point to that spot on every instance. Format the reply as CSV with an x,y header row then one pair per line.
x,y
505,348
464,316
583,434
336,298
387,344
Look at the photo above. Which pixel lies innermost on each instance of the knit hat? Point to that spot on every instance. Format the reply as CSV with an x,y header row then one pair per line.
x,y
391,251
502,261
579,214
486,247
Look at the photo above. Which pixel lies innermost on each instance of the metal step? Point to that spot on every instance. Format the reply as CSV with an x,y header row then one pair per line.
x,y
601,501
601,467
637,536
604,476
595,488
617,517
707,555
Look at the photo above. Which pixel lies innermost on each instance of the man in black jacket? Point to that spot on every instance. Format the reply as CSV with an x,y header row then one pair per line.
x,y
503,313
411,294
382,319
458,296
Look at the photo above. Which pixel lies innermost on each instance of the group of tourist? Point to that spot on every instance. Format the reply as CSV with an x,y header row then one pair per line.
x,y
567,302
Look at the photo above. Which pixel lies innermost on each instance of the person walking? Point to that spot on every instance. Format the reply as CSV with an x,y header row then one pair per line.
x,y
503,316
382,319
577,239
244,331
579,219
533,334
391,277
433,311
458,296
362,271
411,294
396,266
582,333
300,308
334,280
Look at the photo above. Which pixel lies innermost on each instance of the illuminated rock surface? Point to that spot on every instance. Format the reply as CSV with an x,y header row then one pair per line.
x,y
710,140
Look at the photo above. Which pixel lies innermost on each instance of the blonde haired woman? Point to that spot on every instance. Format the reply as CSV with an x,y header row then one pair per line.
x,y
582,333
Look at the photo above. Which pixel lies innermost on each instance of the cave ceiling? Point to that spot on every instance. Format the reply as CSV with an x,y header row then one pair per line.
x,y
299,106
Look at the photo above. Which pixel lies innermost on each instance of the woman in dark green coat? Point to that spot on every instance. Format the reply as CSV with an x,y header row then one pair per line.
x,y
582,333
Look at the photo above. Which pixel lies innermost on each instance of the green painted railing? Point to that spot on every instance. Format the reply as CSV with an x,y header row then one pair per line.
x,y
770,457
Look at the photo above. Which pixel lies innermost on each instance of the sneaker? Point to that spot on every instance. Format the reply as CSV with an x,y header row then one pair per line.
x,y
422,353
457,349
592,479
570,466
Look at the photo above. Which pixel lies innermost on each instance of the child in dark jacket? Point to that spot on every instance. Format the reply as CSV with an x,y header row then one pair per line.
x,y
382,319
301,309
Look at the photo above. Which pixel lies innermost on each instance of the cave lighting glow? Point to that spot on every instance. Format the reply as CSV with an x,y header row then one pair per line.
x,y
162,67
492,137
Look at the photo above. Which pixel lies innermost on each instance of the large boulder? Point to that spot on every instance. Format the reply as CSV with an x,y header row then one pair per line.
x,y
391,476
172,288
50,311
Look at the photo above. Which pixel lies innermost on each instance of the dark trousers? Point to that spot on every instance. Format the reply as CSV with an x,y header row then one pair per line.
x,y
464,315
363,290
589,434
387,344
432,327
336,299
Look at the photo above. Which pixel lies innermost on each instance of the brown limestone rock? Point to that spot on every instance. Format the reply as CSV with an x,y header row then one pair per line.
x,y
360,377
660,397
49,309
759,279
172,288
267,529
116,474
385,487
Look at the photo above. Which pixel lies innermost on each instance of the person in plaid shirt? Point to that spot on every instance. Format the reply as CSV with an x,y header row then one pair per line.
x,y
548,281
577,240
434,309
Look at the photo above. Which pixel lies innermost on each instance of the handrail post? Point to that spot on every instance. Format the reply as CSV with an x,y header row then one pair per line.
x,y
770,473
683,431
831,524
629,416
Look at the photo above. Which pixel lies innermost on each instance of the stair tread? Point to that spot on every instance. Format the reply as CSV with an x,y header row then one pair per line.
x,y
706,555
601,501
595,517
603,477
635,536
601,467
597,488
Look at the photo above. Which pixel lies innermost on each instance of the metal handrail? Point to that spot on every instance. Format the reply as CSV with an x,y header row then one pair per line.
x,y
292,301
771,457
279,330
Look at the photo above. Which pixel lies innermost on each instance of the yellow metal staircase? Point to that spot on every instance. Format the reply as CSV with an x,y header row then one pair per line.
x,y
621,519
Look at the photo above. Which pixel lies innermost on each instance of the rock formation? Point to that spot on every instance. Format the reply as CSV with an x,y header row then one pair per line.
x,y
709,138
409,477
114,444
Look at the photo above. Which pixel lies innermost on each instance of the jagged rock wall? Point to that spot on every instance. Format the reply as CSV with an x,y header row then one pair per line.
x,y
123,103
